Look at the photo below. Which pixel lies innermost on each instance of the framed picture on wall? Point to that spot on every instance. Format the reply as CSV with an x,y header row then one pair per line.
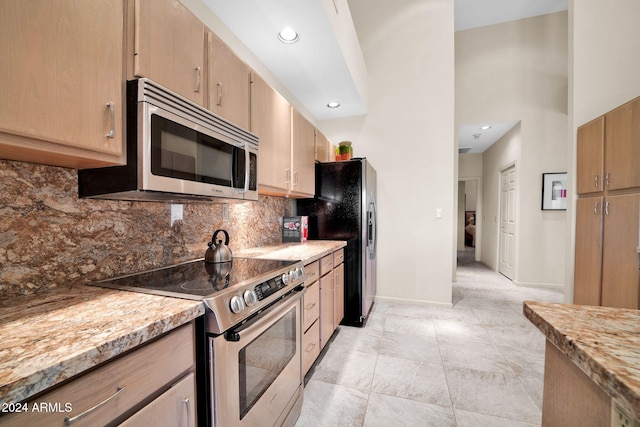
x,y
554,191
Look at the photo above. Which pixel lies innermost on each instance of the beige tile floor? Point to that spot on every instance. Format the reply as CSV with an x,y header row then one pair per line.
x,y
477,364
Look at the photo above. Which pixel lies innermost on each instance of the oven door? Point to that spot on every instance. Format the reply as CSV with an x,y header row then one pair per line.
x,y
256,368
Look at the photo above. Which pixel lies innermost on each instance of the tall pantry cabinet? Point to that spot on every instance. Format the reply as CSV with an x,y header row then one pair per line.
x,y
607,211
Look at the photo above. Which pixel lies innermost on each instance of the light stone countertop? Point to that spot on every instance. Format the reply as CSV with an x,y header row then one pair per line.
x,y
52,336
307,252
603,342
49,337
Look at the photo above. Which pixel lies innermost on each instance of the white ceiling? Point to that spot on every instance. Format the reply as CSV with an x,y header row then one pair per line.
x,y
317,69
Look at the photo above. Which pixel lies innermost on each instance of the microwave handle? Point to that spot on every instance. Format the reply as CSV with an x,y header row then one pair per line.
x,y
247,167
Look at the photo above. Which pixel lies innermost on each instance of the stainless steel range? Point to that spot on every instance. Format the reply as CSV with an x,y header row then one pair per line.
x,y
253,334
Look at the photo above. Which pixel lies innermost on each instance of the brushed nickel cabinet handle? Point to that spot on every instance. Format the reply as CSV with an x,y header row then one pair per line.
x,y
606,179
606,208
596,180
112,113
310,306
288,176
219,88
197,80
186,403
68,421
596,206
310,348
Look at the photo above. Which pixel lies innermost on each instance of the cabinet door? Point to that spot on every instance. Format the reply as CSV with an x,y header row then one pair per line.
x,y
302,158
175,407
326,308
620,249
61,80
588,263
622,146
322,147
228,83
271,121
590,156
338,301
169,47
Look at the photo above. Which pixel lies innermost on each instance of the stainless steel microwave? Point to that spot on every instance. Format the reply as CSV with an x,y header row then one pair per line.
x,y
176,151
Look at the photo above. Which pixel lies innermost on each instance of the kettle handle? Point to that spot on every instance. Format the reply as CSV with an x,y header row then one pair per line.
x,y
213,238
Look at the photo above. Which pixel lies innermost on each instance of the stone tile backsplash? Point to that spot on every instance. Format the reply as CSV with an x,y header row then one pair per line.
x,y
51,238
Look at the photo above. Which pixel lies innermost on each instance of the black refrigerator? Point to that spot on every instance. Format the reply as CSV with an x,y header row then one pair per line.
x,y
344,208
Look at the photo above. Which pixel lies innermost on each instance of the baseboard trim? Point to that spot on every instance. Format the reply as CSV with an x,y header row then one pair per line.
x,y
555,286
413,301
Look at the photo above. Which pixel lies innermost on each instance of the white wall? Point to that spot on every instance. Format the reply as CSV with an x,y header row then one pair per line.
x,y
604,41
519,71
408,135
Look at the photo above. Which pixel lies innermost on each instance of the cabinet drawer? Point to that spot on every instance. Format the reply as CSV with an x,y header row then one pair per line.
x,y
311,304
311,346
326,264
312,272
120,385
338,257
175,407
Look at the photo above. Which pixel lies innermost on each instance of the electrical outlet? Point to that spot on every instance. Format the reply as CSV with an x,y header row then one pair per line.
x,y
620,417
225,212
176,213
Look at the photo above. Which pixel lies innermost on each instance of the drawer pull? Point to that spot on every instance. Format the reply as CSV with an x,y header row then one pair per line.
x,y
68,421
198,73
310,348
186,403
310,306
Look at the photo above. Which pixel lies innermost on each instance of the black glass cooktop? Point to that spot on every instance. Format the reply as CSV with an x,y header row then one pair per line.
x,y
197,279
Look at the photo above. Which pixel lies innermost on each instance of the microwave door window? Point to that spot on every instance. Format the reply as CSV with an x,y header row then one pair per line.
x,y
215,161
173,149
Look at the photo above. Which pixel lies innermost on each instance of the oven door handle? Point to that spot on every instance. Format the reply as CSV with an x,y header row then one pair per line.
x,y
234,334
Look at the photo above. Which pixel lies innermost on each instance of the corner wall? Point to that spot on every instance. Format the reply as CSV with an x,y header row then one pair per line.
x,y
519,71
408,135
604,40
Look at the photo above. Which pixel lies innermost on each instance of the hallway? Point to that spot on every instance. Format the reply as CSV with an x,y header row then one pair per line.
x,y
479,363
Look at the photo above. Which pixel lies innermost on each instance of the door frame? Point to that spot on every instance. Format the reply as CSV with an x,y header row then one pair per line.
x,y
478,248
501,170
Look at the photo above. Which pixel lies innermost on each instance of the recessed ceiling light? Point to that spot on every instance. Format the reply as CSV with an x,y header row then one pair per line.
x,y
333,104
288,35
485,127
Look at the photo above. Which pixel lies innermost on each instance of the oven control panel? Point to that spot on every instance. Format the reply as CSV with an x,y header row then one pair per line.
x,y
252,297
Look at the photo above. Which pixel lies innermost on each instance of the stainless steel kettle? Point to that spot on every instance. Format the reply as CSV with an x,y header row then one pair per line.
x,y
218,251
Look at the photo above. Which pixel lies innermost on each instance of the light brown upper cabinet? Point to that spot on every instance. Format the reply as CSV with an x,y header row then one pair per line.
x,y
169,47
590,156
622,146
271,121
62,82
302,156
229,83
322,147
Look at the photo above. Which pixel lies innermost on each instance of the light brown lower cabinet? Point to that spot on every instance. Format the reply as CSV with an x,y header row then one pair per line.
x,y
607,258
174,408
323,304
570,397
119,388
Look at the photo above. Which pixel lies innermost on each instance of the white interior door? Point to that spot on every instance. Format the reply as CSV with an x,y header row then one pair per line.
x,y
508,222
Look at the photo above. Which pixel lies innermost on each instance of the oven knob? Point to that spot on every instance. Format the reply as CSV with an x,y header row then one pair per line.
x,y
236,304
285,278
293,275
250,298
300,272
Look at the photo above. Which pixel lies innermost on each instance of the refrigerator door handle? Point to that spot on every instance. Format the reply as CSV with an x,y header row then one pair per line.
x,y
371,227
